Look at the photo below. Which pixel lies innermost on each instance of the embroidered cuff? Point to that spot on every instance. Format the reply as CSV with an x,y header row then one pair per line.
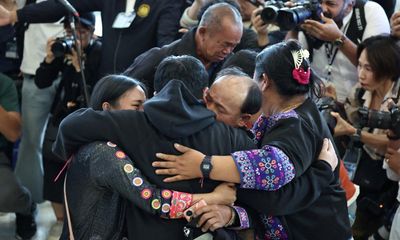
x,y
179,203
243,218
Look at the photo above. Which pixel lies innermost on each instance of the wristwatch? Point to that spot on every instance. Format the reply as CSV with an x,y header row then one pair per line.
x,y
357,135
206,166
340,41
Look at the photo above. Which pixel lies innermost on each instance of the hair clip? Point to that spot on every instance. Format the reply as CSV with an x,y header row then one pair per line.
x,y
300,75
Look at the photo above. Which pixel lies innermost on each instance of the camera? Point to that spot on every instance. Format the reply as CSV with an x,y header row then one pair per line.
x,y
270,11
62,46
326,105
381,119
289,18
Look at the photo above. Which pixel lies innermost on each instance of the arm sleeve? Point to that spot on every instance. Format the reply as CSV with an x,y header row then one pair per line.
x,y
377,21
47,73
51,11
293,197
82,127
112,168
264,169
168,24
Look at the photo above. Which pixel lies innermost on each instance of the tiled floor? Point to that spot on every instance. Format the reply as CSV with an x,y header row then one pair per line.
x,y
44,220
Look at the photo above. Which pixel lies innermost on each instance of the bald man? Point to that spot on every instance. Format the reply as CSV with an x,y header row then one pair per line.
x,y
218,33
234,97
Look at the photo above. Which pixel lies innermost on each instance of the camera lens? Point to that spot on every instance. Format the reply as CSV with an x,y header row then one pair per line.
x,y
269,14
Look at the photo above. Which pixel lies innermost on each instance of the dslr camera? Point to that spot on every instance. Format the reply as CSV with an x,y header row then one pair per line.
x,y
381,119
288,18
62,46
326,105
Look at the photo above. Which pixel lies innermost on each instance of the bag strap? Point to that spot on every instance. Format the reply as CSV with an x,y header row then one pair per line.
x,y
71,233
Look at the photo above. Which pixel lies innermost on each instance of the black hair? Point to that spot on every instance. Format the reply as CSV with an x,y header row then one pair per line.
x,y
188,69
383,55
244,59
252,102
277,63
110,88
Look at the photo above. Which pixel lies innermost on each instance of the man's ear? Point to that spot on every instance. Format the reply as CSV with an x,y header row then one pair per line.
x,y
265,82
205,90
202,32
106,106
244,121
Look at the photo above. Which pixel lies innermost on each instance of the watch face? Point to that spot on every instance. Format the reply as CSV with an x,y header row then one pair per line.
x,y
206,166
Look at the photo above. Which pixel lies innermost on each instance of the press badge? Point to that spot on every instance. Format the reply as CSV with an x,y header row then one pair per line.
x,y
124,19
11,49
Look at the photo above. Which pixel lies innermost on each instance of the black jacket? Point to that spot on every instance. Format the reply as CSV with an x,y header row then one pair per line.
x,y
309,212
146,64
159,27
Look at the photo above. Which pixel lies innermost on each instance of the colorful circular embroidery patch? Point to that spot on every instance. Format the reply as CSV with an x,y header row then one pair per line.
x,y
128,168
110,144
137,181
167,194
165,208
155,204
143,10
120,154
146,193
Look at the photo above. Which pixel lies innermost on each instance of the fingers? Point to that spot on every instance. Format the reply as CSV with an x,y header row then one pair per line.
x,y
330,146
167,171
176,178
325,145
181,148
335,115
162,164
166,157
204,218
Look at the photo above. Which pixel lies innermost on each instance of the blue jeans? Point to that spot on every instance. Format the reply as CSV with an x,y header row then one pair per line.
x,y
35,108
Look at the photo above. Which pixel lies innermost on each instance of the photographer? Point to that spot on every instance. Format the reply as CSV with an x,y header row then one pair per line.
x,y
62,57
378,61
392,166
332,40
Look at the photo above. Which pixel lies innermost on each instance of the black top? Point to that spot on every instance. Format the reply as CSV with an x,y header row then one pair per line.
x,y
146,64
156,27
309,212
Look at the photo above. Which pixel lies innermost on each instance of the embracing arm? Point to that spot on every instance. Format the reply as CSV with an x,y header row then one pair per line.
x,y
112,168
86,125
273,166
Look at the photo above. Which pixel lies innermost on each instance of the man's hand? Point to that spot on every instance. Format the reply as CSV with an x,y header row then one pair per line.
x,y
395,24
49,54
224,194
328,154
327,31
392,158
260,27
213,217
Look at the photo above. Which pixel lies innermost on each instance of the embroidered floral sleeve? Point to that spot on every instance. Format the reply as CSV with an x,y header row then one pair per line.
x,y
116,171
267,168
243,218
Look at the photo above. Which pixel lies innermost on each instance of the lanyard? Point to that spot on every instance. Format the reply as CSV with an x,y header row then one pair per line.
x,y
331,52
130,6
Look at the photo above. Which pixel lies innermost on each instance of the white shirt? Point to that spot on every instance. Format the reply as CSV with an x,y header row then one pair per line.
x,y
343,72
36,37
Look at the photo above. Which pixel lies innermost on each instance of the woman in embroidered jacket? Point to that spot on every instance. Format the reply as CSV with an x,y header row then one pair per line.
x,y
290,134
